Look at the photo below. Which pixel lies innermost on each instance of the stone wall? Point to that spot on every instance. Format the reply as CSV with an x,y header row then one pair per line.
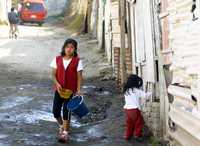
x,y
151,115
75,15
55,7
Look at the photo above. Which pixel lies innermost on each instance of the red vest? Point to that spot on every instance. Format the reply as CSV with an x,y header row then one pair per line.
x,y
67,78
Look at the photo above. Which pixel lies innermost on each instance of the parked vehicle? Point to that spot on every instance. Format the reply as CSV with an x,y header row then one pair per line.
x,y
32,11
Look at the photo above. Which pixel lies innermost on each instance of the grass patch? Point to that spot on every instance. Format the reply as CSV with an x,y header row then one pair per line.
x,y
76,23
154,141
58,16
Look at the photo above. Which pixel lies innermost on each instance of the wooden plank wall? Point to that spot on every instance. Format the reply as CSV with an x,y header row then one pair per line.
x,y
184,40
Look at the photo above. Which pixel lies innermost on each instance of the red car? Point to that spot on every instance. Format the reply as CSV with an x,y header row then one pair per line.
x,y
33,11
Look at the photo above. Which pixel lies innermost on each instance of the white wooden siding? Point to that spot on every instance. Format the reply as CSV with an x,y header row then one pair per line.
x,y
185,42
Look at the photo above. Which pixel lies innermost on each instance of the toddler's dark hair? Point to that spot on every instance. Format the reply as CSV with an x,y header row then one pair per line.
x,y
134,81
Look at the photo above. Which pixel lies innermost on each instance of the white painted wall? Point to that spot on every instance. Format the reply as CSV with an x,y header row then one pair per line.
x,y
5,6
144,39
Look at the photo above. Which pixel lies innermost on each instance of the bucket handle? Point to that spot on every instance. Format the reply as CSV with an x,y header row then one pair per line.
x,y
81,99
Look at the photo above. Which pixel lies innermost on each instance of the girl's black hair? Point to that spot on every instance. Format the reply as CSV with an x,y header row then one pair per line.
x,y
134,81
12,9
69,41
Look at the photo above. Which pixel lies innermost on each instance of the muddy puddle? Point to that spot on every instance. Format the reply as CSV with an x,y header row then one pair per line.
x,y
89,133
3,140
29,114
93,90
11,102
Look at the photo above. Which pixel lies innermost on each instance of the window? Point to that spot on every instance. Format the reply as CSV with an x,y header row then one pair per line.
x,y
37,7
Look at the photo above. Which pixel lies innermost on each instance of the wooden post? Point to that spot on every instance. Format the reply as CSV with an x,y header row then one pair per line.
x,y
100,25
128,17
122,38
164,104
132,35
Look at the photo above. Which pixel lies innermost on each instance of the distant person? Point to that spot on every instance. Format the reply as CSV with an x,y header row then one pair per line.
x,y
13,20
134,120
67,77
19,9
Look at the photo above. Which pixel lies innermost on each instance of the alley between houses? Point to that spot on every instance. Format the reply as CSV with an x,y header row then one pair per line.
x,y
26,94
150,46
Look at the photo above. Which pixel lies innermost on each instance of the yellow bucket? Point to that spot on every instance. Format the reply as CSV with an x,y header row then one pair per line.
x,y
65,93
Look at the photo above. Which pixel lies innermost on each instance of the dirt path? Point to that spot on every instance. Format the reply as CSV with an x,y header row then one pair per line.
x,y
26,94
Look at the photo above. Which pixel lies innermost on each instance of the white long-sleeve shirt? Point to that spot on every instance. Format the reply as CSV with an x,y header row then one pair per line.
x,y
132,98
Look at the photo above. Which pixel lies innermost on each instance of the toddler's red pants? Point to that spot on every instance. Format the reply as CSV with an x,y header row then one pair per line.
x,y
134,123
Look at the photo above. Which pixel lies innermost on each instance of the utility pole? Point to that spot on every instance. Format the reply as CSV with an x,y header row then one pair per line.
x,y
122,14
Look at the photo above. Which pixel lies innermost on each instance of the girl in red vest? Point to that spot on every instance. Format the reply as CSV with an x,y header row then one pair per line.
x,y
66,74
133,95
